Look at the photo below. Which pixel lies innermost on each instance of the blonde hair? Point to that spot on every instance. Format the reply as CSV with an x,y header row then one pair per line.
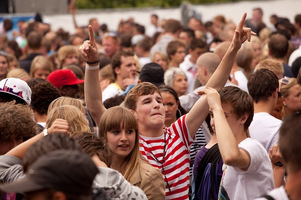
x,y
115,118
64,51
286,87
76,119
107,73
18,73
40,62
272,65
66,101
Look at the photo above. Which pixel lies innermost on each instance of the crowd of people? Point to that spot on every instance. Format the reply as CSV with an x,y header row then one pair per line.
x,y
203,110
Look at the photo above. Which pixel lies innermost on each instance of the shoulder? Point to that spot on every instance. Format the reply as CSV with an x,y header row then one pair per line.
x,y
148,171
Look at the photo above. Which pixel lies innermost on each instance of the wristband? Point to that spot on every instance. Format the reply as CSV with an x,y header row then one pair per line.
x,y
94,62
45,132
89,67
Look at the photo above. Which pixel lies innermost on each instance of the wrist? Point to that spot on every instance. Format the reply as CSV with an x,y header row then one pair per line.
x,y
92,67
93,63
45,132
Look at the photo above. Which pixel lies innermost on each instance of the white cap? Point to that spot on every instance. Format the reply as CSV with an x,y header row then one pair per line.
x,y
17,88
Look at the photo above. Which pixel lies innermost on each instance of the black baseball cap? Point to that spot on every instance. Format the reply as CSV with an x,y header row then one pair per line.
x,y
153,73
69,171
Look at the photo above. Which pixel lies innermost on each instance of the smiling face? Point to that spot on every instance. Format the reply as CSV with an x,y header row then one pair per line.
x,y
150,112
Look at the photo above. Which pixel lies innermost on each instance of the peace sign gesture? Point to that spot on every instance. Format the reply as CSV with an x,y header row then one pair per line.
x,y
242,33
88,49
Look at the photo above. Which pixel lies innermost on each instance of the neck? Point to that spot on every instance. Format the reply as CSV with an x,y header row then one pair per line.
x,y
151,131
212,141
173,64
116,163
119,82
29,51
263,107
292,186
39,118
146,54
169,122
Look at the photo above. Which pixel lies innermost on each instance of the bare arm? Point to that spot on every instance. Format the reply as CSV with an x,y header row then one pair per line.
x,y
93,93
58,126
219,78
232,155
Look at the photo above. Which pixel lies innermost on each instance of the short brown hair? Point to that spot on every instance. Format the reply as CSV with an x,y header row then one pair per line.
x,y
289,141
172,47
144,88
241,103
172,26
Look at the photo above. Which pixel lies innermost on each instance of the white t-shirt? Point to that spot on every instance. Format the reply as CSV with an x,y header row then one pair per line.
x,y
277,194
254,182
186,66
111,91
242,80
265,129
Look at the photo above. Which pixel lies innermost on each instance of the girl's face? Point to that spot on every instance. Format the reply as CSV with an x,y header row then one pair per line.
x,y
41,73
171,107
180,84
121,141
3,65
71,59
293,101
159,60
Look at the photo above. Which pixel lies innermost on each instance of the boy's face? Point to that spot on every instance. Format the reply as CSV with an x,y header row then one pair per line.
x,y
232,120
150,111
179,56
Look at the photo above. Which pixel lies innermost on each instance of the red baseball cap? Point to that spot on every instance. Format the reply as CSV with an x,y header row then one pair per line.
x,y
62,77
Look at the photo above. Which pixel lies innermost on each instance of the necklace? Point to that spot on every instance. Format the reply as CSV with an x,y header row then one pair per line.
x,y
162,161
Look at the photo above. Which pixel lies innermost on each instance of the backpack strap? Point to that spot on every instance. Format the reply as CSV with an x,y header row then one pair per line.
x,y
212,156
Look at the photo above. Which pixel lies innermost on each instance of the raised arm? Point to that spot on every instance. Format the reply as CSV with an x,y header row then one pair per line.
x,y
200,110
232,155
93,93
58,126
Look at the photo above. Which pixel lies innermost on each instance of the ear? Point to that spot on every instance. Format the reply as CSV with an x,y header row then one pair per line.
x,y
134,113
244,118
139,81
59,196
117,70
205,72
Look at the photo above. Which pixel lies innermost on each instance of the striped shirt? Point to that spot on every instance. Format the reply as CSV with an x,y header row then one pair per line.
x,y
174,160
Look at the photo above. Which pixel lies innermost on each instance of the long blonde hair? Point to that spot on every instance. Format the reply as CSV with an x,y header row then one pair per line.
x,y
115,118
76,119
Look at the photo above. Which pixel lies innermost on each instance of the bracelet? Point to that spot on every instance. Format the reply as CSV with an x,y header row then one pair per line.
x,y
89,67
94,62
45,132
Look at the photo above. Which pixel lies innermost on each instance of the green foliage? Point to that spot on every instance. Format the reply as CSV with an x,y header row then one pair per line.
x,y
90,4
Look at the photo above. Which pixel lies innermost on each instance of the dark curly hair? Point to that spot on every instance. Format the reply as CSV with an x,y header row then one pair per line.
x,y
16,122
43,93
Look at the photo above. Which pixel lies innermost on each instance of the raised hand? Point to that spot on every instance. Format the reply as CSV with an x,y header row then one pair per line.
x,y
59,126
89,49
242,33
213,98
